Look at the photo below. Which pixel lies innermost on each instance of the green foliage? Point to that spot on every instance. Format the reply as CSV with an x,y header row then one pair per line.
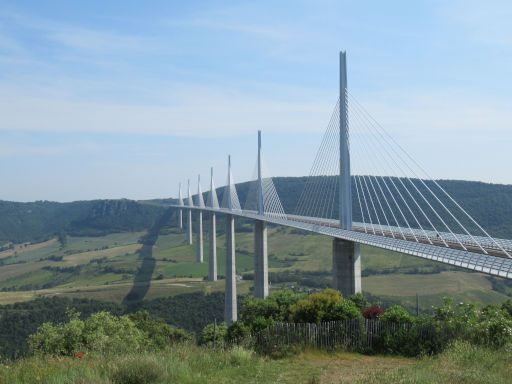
x,y
397,314
158,332
490,326
327,305
104,333
359,300
237,333
191,311
18,321
507,307
258,314
213,334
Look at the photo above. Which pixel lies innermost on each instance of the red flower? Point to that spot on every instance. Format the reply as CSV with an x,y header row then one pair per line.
x,y
79,355
373,312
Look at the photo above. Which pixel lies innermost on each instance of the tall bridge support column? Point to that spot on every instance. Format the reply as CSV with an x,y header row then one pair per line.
x,y
199,245
212,249
189,226
230,308
260,259
346,266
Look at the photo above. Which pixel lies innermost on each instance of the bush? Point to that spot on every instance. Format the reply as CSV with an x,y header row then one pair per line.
x,y
137,370
373,312
359,300
213,334
258,314
158,333
237,332
104,333
327,305
397,314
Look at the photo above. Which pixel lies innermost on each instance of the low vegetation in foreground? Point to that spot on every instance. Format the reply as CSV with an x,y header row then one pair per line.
x,y
188,363
466,345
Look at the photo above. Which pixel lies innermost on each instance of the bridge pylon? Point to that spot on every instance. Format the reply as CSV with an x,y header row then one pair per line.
x,y
260,238
212,246
346,257
190,203
230,307
200,204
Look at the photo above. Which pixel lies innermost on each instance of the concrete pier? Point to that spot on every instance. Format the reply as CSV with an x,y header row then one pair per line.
x,y
212,249
189,226
260,259
230,308
346,267
199,244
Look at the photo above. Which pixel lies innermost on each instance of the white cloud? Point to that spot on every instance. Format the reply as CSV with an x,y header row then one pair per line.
x,y
193,112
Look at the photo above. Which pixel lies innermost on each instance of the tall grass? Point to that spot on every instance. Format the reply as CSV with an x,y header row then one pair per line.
x,y
181,364
187,364
462,362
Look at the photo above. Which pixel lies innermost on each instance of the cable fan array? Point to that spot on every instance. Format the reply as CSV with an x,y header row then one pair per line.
x,y
392,195
272,206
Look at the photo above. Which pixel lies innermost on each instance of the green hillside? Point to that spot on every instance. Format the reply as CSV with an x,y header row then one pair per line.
x,y
41,220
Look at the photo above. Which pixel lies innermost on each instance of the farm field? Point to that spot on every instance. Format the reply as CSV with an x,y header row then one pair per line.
x,y
105,268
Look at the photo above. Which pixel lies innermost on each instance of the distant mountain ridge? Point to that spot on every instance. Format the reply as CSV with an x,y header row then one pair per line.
x,y
40,220
489,204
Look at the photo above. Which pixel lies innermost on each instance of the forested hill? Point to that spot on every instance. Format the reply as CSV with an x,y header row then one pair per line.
x,y
489,204
40,220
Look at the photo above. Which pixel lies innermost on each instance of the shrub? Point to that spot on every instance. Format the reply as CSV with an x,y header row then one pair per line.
x,y
137,370
213,333
507,307
258,314
397,314
237,332
158,333
327,305
104,333
373,312
359,300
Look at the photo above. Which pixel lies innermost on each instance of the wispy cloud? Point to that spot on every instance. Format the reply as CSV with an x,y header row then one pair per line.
x,y
197,112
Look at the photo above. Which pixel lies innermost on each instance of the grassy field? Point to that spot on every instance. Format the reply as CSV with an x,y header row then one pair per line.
x,y
25,247
104,268
186,364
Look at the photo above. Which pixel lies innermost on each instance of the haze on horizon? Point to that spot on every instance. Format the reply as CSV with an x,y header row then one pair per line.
x,y
118,99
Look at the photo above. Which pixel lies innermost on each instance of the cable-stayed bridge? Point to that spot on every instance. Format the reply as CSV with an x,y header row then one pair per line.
x,y
363,188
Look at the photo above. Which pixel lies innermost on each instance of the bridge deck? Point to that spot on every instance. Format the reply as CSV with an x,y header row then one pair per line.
x,y
428,245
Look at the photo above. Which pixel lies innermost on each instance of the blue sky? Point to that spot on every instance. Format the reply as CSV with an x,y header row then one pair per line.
x,y
125,99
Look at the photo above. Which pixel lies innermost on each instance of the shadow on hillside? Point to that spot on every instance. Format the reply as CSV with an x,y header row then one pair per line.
x,y
142,279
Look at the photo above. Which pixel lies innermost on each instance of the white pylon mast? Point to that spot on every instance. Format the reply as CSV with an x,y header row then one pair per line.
x,y
261,207
345,203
